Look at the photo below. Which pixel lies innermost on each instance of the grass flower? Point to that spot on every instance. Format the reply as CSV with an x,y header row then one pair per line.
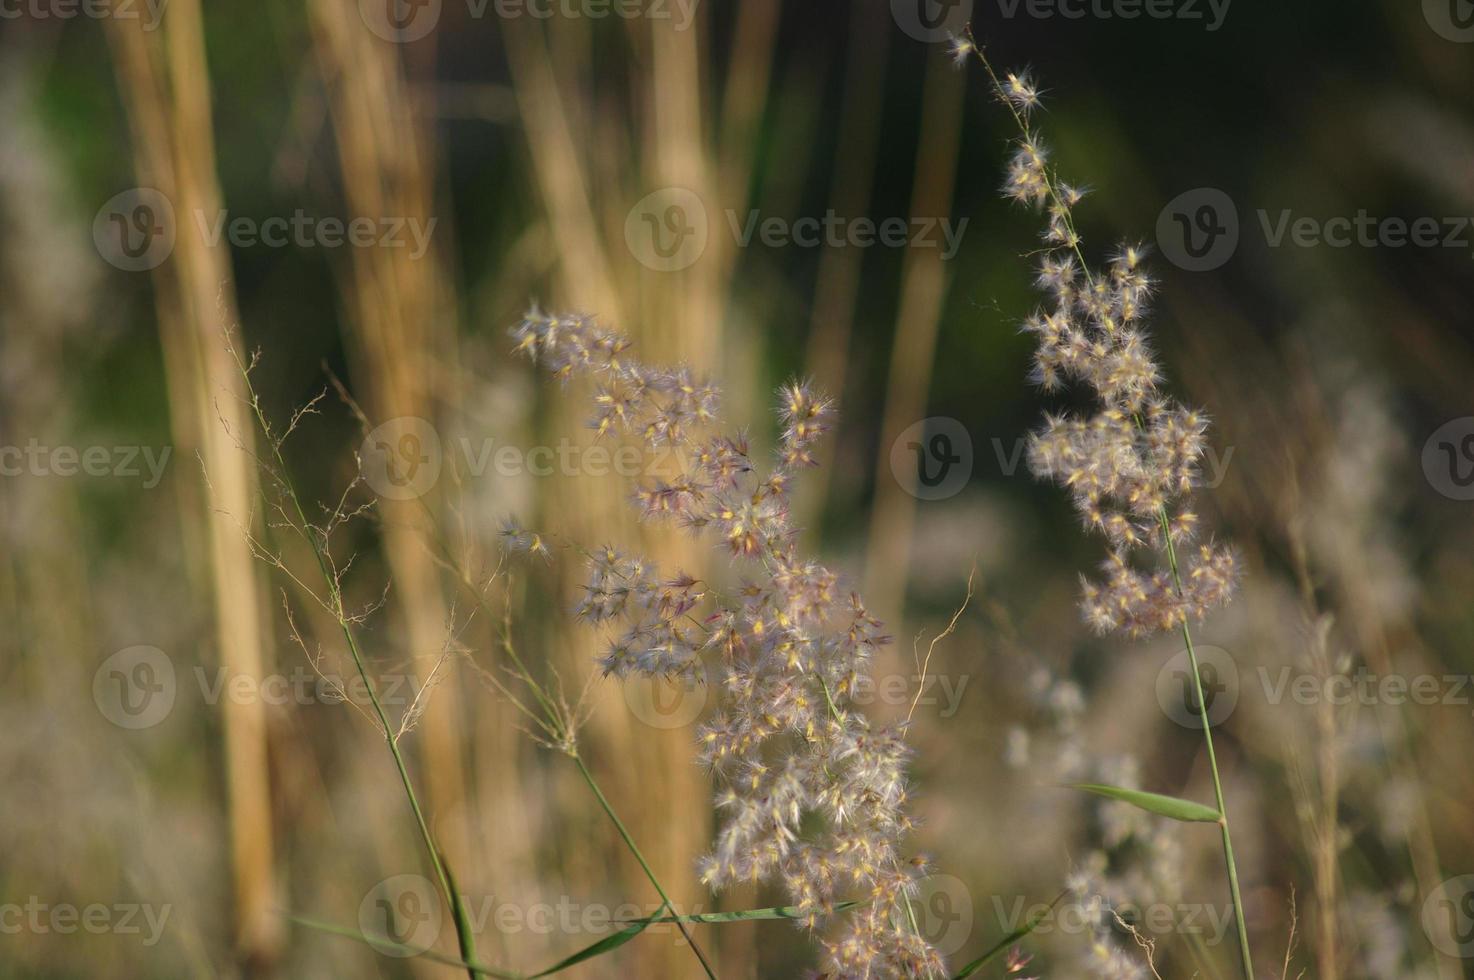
x,y
787,651
1131,464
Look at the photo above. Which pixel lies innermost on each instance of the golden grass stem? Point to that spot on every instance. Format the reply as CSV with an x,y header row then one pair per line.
x,y
164,79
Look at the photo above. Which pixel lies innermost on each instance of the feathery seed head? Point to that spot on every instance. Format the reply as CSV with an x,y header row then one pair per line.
x,y
785,742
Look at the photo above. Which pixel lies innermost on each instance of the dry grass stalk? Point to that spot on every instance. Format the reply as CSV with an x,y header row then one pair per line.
x,y
918,319
398,328
166,85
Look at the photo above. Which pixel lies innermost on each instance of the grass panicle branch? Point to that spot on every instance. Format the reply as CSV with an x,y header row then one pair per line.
x,y
317,537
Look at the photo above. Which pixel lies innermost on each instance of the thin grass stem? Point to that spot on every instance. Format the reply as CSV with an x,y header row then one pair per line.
x,y
1051,184
629,841
465,939
1228,857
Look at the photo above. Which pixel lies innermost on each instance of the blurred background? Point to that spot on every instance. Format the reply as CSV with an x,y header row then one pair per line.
x,y
374,192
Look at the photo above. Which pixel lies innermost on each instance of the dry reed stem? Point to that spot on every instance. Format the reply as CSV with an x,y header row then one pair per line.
x,y
166,84
396,329
837,283
918,319
588,509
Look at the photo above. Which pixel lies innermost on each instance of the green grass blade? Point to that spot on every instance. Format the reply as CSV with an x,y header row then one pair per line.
x,y
745,915
465,938
385,945
1008,940
1163,806
605,945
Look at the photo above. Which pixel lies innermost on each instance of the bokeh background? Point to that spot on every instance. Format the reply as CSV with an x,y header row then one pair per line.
x,y
541,156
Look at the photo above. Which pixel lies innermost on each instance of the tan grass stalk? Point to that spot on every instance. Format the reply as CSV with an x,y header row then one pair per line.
x,y
560,164
166,83
397,328
923,291
587,185
837,286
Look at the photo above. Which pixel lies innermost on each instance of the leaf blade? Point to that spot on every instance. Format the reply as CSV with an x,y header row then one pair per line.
x,y
383,944
1163,806
743,915
608,944
1008,940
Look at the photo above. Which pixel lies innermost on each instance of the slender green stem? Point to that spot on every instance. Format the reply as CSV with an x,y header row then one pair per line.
x,y
563,730
1051,184
1228,858
464,937
629,841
